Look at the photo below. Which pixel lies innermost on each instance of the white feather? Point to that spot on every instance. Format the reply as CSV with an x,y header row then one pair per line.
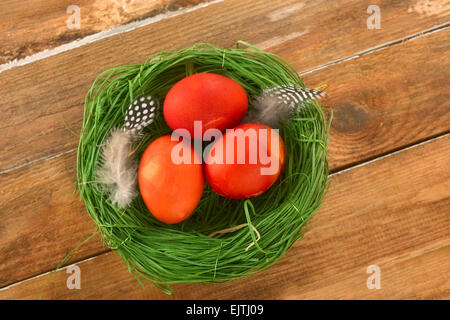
x,y
118,171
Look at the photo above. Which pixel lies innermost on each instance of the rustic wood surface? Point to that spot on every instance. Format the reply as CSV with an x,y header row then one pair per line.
x,y
364,118
45,97
29,27
389,89
364,221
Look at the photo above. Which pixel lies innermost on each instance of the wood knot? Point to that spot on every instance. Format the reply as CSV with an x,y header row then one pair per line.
x,y
349,118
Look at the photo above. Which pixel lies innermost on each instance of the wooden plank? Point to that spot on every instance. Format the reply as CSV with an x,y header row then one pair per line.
x,y
37,99
392,213
42,219
420,277
423,114
31,27
387,99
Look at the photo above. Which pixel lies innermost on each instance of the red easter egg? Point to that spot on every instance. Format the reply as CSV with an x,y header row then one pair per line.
x,y
215,100
245,162
170,191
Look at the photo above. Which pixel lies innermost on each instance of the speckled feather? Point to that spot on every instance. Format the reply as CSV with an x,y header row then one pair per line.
x,y
140,113
276,105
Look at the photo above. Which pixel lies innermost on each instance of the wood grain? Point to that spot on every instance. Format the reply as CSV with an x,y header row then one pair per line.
x,y
387,99
42,219
41,97
392,213
412,109
417,277
29,27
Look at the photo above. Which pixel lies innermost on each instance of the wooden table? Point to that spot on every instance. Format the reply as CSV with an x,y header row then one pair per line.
x,y
389,201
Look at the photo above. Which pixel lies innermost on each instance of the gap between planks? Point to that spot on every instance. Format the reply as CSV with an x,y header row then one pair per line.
x,y
339,171
323,66
52,271
380,47
102,35
393,152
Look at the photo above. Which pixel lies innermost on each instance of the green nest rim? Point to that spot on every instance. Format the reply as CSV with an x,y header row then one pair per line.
x,y
184,253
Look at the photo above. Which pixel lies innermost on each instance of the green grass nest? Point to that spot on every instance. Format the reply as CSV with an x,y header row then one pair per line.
x,y
183,253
